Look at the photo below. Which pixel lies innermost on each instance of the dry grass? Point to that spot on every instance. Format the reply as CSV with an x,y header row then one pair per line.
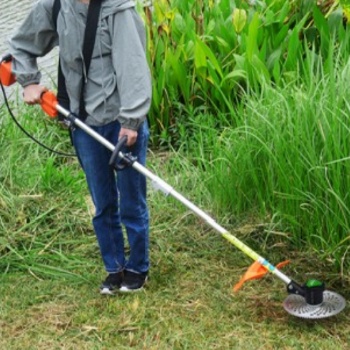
x,y
188,303
52,271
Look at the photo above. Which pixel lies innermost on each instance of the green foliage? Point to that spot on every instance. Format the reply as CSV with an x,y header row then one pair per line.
x,y
286,162
51,267
254,95
204,54
37,190
257,104
253,91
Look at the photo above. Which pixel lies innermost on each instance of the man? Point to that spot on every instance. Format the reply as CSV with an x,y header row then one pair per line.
x,y
117,97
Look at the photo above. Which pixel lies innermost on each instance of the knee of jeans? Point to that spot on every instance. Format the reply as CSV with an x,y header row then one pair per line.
x,y
136,213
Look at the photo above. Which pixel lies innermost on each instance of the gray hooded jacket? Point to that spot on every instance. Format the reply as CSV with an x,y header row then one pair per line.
x,y
118,84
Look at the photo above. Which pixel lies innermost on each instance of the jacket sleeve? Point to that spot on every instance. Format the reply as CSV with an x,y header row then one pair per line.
x,y
131,68
34,38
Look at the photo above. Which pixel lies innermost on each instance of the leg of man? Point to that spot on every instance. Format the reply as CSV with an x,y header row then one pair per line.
x,y
94,159
133,206
135,216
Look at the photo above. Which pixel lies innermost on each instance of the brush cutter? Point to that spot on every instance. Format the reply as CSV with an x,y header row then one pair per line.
x,y
310,300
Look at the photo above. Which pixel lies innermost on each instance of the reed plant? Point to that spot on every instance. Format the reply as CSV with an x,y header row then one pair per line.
x,y
287,159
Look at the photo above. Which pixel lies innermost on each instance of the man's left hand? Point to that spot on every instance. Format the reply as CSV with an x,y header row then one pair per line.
x,y
131,134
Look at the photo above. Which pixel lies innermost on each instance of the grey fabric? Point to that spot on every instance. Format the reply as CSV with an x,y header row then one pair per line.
x,y
118,84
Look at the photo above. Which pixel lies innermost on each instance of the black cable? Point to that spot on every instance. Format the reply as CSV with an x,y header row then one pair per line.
x,y
26,132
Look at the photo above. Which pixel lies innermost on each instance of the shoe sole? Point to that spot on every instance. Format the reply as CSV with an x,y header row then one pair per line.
x,y
106,291
123,289
126,290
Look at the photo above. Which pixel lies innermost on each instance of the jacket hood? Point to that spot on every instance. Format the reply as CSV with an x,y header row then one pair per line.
x,y
109,7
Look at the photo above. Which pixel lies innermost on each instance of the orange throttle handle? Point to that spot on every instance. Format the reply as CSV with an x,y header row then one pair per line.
x,y
49,104
7,78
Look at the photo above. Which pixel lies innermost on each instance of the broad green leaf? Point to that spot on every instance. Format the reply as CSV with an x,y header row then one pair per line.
x,y
206,53
252,37
260,68
240,61
239,19
273,58
284,12
320,21
235,75
276,72
200,59
345,4
180,74
222,42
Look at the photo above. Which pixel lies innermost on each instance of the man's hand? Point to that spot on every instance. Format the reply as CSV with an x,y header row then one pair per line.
x,y
32,93
131,134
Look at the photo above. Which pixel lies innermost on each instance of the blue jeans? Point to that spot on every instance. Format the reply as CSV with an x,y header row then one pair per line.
x,y
119,199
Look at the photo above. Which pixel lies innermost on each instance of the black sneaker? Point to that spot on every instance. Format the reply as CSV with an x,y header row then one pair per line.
x,y
133,282
112,283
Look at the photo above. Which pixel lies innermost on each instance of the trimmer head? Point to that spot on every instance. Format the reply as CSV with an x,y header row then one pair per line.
x,y
331,305
312,301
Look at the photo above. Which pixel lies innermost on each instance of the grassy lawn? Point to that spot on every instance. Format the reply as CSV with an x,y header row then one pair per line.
x,y
51,268
187,304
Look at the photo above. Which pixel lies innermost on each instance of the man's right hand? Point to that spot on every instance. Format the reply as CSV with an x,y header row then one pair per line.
x,y
32,93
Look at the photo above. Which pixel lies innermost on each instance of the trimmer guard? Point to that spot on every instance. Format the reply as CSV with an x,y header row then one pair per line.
x,y
256,271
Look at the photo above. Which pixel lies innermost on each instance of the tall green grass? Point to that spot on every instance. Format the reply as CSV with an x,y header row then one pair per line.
x,y
37,192
287,160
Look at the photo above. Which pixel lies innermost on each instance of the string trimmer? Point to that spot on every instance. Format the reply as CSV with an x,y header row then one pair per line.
x,y
310,300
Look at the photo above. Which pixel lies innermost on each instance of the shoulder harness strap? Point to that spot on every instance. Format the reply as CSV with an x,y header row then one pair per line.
x,y
88,46
55,10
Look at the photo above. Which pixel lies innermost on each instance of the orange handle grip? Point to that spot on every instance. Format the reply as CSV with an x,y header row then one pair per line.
x,y
7,78
49,104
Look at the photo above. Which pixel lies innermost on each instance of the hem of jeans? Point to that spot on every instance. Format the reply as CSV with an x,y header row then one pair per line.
x,y
137,272
114,271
